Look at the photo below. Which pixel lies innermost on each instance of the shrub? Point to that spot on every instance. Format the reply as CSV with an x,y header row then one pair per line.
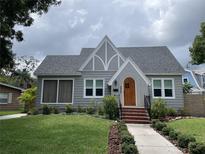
x,y
196,148
173,135
129,149
166,130
171,112
153,122
90,110
69,109
80,109
100,110
158,109
46,110
187,88
110,107
160,125
184,140
127,138
55,110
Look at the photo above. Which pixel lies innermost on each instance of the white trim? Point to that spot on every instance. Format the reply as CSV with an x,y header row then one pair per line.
x,y
197,84
162,88
7,93
128,60
104,40
163,74
57,79
10,86
108,64
94,88
104,65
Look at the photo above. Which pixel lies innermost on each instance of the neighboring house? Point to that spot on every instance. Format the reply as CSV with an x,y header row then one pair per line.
x,y
130,73
196,78
8,97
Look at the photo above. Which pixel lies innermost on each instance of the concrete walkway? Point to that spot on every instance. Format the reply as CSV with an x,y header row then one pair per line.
x,y
148,141
12,116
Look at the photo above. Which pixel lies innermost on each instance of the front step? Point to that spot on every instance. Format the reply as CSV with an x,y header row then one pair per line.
x,y
135,115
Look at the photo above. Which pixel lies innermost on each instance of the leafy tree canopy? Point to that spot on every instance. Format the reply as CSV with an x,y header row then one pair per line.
x,y
13,13
197,51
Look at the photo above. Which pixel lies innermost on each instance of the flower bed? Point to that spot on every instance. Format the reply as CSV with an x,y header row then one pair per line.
x,y
186,143
120,140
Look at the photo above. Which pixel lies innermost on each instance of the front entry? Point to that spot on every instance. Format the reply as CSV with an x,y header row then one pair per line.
x,y
129,92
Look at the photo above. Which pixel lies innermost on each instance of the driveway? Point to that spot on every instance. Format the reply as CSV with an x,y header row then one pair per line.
x,y
12,116
148,141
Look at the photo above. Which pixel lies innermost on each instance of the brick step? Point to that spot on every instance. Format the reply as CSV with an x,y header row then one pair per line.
x,y
138,109
134,121
123,111
136,117
134,114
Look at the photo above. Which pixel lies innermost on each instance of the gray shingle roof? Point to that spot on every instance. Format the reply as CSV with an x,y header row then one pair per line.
x,y
151,60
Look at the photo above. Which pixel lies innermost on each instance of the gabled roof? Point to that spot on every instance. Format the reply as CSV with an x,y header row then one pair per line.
x,y
128,60
11,86
151,60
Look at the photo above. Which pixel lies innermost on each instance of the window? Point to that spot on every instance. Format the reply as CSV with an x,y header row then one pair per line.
x,y
157,88
4,98
57,91
185,80
163,88
89,87
99,88
94,88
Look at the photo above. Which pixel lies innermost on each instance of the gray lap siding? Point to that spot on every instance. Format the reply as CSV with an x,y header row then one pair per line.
x,y
78,98
178,101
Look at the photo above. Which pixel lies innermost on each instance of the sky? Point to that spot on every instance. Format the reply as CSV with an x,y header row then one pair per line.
x,y
75,24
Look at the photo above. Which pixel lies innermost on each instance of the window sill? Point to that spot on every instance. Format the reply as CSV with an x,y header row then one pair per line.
x,y
163,97
55,103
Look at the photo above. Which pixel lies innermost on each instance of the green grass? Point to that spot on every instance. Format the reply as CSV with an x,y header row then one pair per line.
x,y
54,134
9,112
195,127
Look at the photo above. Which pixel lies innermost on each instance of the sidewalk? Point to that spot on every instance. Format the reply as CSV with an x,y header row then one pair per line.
x,y
12,116
148,141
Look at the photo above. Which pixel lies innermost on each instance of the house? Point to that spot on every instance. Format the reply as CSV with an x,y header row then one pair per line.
x,y
8,97
196,78
129,73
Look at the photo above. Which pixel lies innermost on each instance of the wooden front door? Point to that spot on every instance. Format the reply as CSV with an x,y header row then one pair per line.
x,y
129,92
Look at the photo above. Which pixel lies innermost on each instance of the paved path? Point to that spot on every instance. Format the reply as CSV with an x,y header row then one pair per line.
x,y
12,116
148,141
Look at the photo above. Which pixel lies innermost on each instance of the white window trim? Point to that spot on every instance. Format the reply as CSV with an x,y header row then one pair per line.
x,y
7,98
94,88
42,86
162,88
185,78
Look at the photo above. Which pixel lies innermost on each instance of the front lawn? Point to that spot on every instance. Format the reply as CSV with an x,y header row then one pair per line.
x,y
54,134
9,112
195,127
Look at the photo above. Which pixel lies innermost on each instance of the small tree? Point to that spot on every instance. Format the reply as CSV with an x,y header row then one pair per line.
x,y
28,98
158,109
187,88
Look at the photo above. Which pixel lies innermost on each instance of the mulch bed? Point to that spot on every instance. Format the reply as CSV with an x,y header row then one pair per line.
x,y
114,140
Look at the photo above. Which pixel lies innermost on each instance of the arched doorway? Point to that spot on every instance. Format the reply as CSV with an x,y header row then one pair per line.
x,y
129,92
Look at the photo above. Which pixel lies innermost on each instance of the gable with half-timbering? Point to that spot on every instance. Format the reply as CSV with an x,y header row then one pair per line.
x,y
105,57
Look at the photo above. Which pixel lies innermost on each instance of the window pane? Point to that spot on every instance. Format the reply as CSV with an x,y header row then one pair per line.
x,y
157,84
89,92
168,92
157,92
185,80
49,91
99,83
167,84
99,92
89,83
65,91
4,97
